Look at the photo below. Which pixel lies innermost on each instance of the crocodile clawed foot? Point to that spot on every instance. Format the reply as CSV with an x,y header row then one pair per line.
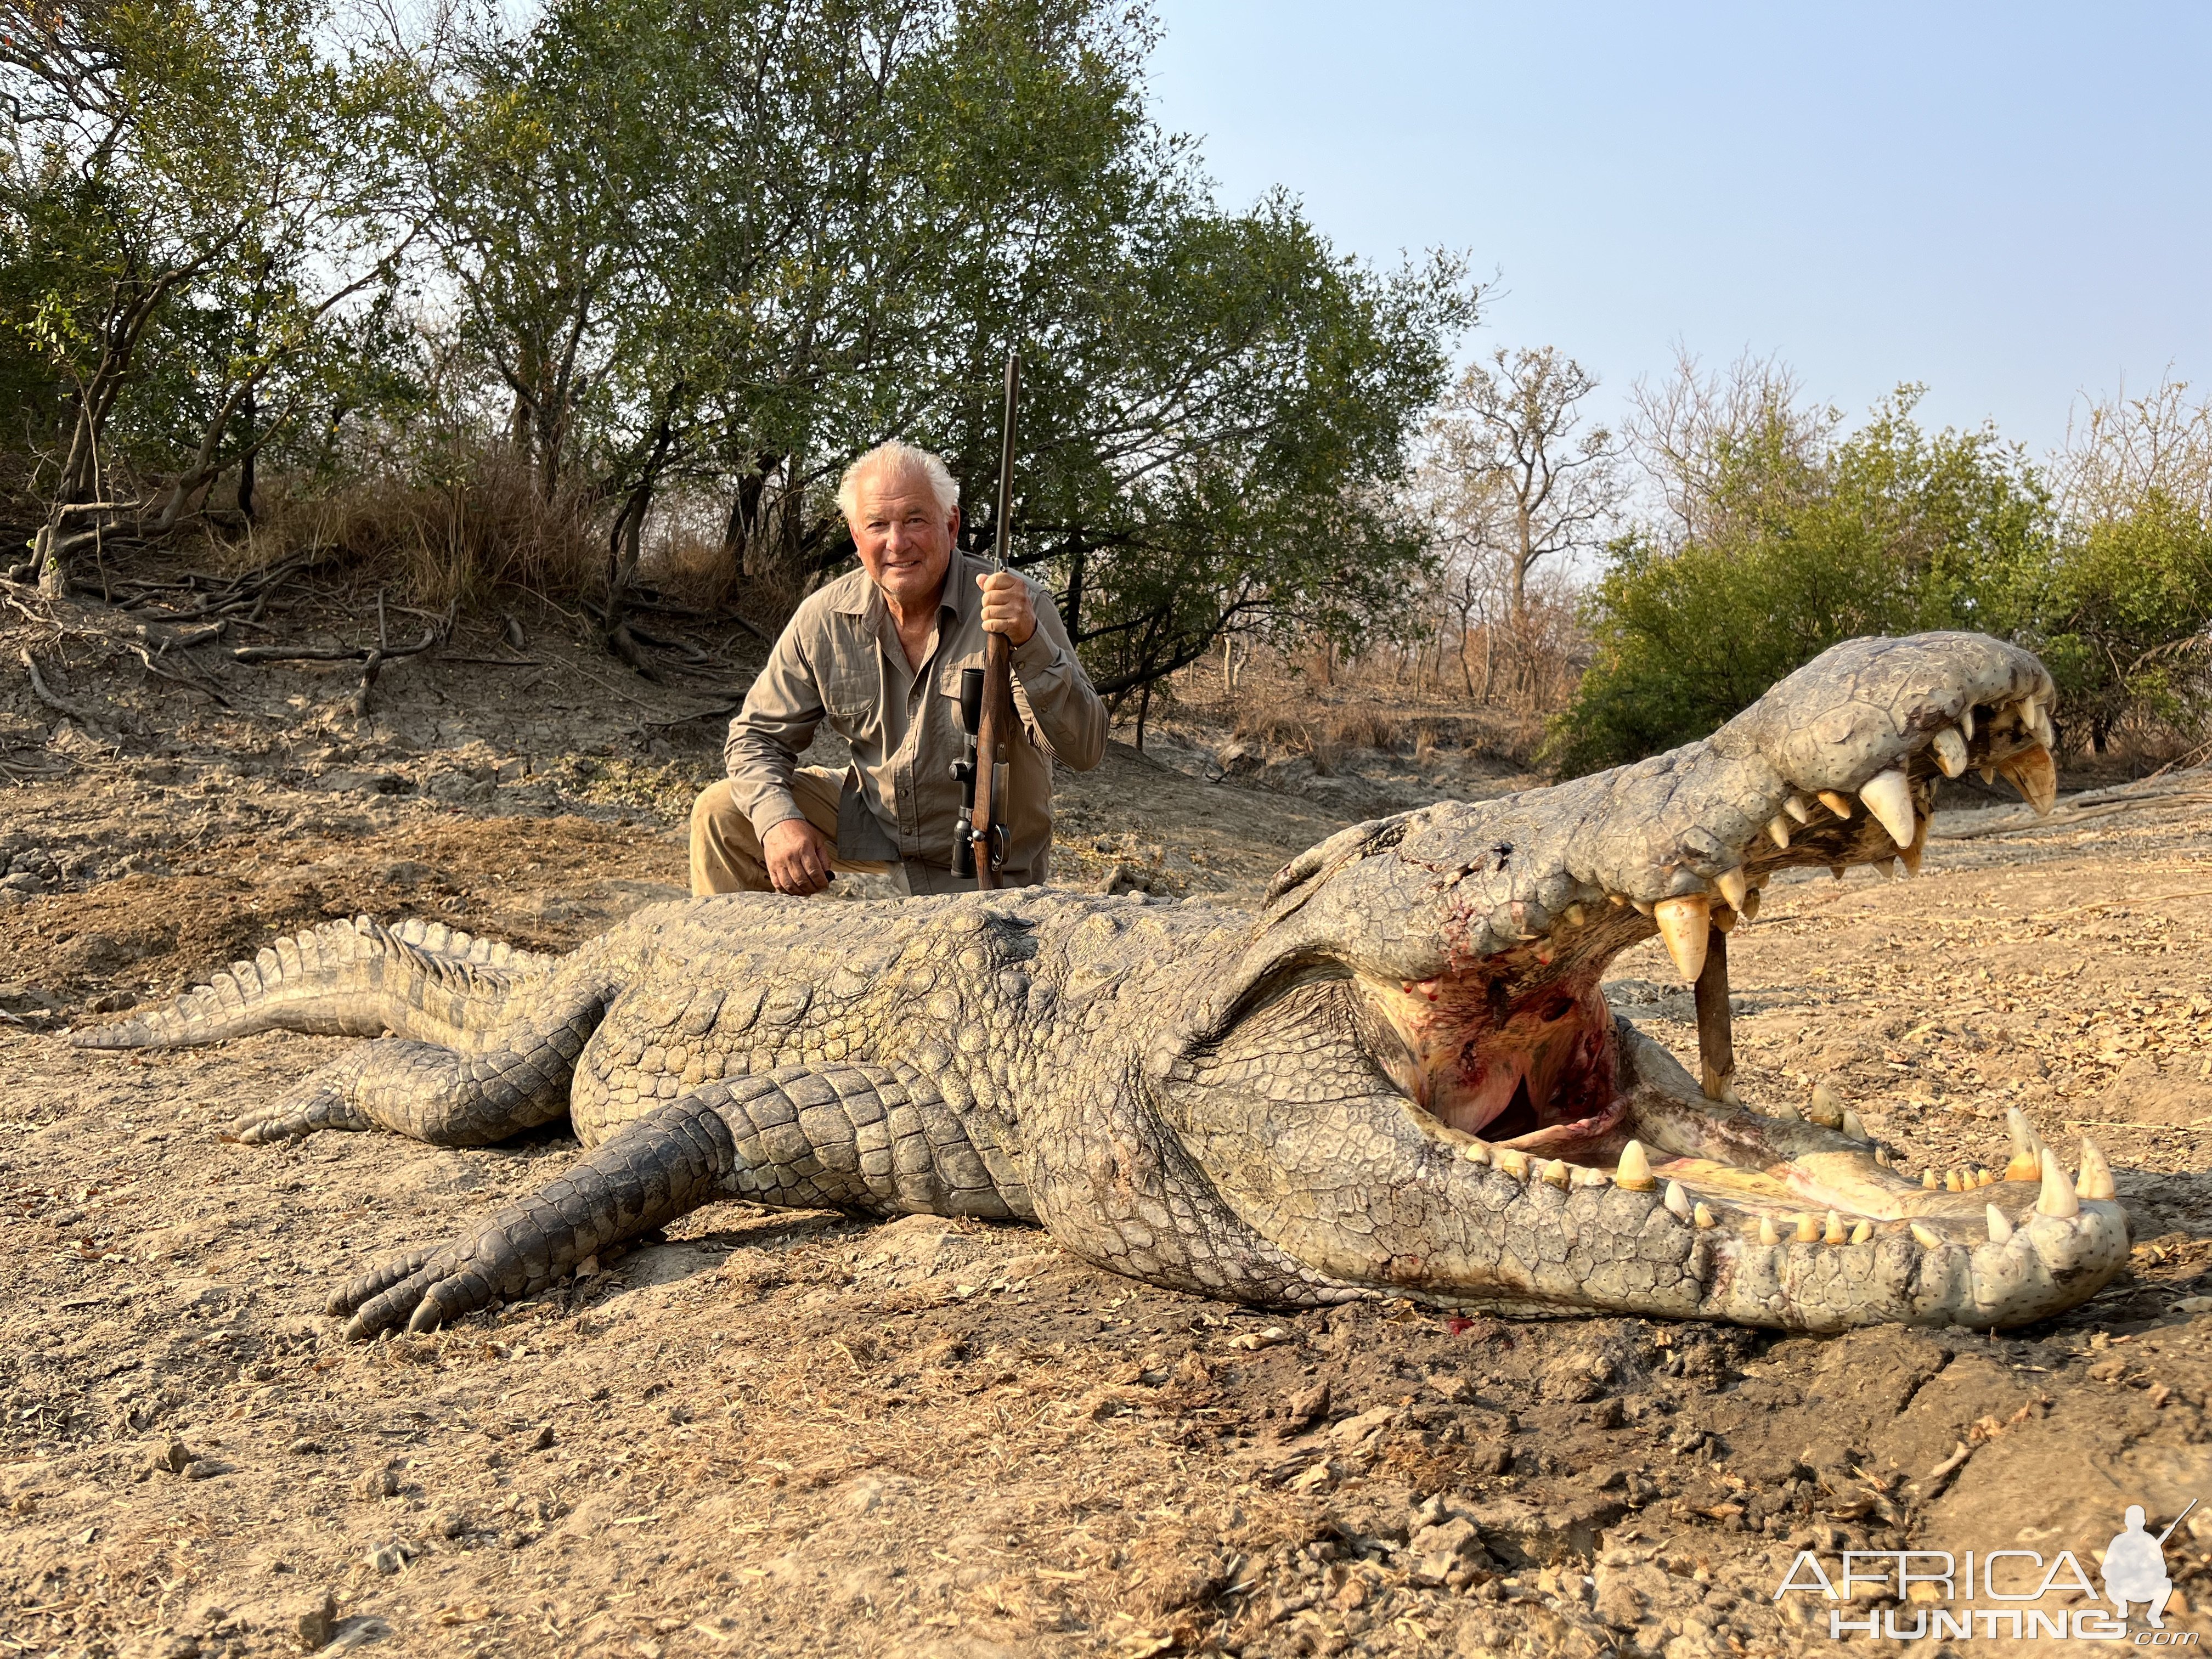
x,y
349,1295
424,1289
324,1101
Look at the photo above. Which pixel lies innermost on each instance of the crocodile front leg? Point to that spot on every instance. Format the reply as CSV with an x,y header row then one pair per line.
x,y
858,1137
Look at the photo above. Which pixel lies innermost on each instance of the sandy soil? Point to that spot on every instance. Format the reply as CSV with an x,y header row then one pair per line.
x,y
780,1433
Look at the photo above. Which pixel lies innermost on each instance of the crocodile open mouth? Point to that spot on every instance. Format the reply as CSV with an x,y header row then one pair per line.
x,y
1516,1061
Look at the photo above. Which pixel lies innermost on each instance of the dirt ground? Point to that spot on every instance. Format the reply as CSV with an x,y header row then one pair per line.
x,y
787,1434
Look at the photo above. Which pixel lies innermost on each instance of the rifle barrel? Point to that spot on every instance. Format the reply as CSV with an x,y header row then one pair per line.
x,y
1002,524
997,725
2176,1522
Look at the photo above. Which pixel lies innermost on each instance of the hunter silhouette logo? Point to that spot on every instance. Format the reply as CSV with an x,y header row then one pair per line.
x,y
1937,1590
2134,1567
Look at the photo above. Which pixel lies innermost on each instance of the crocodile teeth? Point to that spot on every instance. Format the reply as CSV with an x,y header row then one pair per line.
x,y
2038,722
1683,923
1926,1239
2035,775
2096,1178
1840,804
1989,773
1835,1233
1809,1231
1580,1174
1950,751
1954,1181
1555,1172
1853,1127
1512,1161
1825,1109
1863,1233
1677,1201
1777,829
1928,1180
1766,1233
2057,1197
1475,1153
2000,1229
1576,917
1966,721
1734,887
1888,796
1785,1113
1702,1217
1633,1172
1799,808
2026,1162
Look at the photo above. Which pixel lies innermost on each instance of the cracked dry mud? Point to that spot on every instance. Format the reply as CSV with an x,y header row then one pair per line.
x,y
780,1433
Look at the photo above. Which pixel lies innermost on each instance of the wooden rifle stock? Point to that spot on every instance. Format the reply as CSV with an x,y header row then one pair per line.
x,y
995,732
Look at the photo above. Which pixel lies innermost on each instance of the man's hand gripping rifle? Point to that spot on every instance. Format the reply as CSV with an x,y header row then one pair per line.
x,y
986,701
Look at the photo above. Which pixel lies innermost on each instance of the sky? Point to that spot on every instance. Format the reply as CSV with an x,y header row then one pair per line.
x,y
2010,204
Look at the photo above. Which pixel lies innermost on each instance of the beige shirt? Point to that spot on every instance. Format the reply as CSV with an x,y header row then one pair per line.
x,y
840,659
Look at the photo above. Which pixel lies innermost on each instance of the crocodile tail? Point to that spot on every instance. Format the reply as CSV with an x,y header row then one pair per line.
x,y
356,978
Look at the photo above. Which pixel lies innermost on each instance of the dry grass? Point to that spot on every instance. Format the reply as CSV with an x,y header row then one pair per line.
x,y
457,542
1317,728
1279,705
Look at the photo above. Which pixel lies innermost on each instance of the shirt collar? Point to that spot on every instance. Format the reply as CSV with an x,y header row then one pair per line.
x,y
961,596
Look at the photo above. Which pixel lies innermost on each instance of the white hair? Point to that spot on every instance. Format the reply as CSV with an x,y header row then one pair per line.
x,y
896,458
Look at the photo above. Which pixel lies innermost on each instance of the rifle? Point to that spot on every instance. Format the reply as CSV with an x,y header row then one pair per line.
x,y
986,698
2178,1519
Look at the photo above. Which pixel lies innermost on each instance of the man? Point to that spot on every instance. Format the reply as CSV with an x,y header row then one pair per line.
x,y
878,653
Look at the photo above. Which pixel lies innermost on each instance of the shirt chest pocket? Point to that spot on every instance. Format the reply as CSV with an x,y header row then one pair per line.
x,y
948,691
852,697
948,687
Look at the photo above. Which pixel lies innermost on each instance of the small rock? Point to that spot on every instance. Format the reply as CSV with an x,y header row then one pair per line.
x,y
1454,1537
387,1558
1451,1387
1353,1430
180,1647
543,1439
23,1502
450,1523
1569,1381
173,1457
378,1483
1306,1408
304,1446
311,1620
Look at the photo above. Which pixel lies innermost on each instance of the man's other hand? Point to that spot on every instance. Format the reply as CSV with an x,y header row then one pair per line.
x,y
1007,607
797,857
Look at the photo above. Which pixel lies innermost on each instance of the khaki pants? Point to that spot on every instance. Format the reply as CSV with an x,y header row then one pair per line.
x,y
725,851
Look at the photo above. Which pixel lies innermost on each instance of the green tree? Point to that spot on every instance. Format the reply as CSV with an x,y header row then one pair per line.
x,y
2121,609
1798,541
218,176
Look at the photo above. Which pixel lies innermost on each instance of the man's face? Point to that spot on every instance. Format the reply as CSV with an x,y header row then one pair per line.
x,y
905,539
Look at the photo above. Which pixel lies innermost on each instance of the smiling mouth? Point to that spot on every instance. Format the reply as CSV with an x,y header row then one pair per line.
x,y
1517,1062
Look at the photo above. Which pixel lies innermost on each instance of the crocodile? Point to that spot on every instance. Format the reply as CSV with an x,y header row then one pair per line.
x,y
1400,1078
